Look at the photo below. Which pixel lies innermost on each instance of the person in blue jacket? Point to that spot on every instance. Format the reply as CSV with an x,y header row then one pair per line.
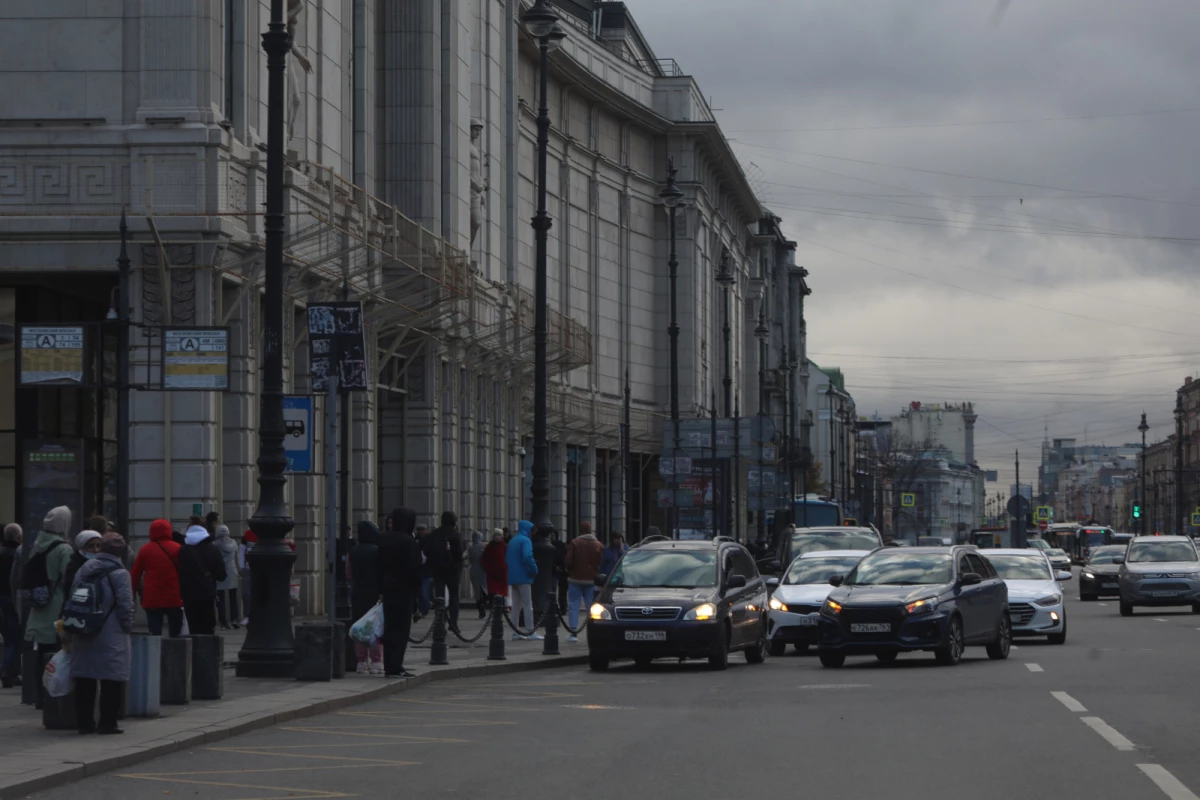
x,y
521,571
612,554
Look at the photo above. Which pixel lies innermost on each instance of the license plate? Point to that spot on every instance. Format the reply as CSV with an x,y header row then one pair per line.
x,y
645,636
870,627
807,622
1164,594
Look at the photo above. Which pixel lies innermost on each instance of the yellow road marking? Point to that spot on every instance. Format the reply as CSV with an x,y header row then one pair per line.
x,y
464,706
302,794
403,739
256,751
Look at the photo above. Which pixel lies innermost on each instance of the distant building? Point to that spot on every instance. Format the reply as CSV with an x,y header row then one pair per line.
x,y
949,426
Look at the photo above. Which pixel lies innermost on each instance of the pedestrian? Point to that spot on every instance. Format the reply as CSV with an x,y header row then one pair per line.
x,y
10,607
560,566
398,573
201,568
612,554
522,570
211,520
426,586
248,541
362,570
87,544
584,555
444,557
42,586
101,662
507,534
478,576
495,566
155,578
227,589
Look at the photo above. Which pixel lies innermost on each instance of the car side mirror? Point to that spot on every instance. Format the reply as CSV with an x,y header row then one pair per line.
x,y
735,582
600,580
837,580
970,579
1062,575
772,583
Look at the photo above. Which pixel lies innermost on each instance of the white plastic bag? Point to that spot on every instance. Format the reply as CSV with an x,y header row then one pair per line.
x,y
57,677
369,629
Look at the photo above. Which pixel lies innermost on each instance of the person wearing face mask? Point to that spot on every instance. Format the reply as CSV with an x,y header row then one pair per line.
x,y
100,663
87,545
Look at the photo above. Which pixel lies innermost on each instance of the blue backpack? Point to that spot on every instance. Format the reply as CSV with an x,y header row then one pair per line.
x,y
83,613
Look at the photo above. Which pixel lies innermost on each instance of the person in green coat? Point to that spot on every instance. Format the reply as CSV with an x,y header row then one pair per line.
x,y
41,626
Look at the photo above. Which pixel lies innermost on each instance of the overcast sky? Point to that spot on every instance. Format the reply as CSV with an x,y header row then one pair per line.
x,y
1044,280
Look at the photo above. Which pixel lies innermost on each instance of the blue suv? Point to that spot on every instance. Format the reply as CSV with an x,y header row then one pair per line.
x,y
898,600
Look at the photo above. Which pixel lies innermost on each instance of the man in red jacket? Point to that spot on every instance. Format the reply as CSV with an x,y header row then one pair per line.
x,y
155,576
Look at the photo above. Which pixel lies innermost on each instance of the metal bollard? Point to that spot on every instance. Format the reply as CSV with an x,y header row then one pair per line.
x,y
438,652
496,644
550,643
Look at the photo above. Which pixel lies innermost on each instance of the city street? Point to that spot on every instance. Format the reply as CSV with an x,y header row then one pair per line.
x,y
1108,714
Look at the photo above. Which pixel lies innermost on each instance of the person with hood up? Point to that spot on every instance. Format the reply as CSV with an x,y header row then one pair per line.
x,y
10,608
155,578
201,568
102,661
478,576
362,570
229,586
47,566
522,570
584,554
87,545
444,559
398,572
612,554
495,565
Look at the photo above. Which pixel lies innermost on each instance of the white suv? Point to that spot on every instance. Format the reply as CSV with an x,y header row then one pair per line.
x,y
1035,596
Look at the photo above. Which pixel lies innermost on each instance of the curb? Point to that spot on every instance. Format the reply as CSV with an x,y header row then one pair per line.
x,y
72,772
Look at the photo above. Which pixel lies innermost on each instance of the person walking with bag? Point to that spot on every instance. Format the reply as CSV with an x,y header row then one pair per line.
x,y
444,558
201,568
398,573
362,570
43,588
227,589
522,570
100,660
584,554
155,578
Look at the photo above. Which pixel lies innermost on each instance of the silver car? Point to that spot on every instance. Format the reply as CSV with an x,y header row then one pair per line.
x,y
1160,571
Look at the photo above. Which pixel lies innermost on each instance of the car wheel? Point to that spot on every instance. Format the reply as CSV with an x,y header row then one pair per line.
x,y
1126,609
998,650
1087,597
757,653
832,660
1059,638
643,661
800,647
886,657
777,648
597,663
951,652
1196,608
719,660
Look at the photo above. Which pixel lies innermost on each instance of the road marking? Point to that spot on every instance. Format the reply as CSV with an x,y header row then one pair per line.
x,y
1070,702
1102,605
1169,784
835,686
1159,619
1013,647
1034,668
1108,732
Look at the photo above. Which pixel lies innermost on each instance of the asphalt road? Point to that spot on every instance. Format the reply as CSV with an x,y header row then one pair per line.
x,y
1109,714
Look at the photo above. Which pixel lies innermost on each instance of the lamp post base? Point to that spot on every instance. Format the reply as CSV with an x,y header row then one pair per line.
x,y
269,650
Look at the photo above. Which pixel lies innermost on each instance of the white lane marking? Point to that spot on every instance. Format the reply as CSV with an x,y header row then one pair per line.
x,y
1102,605
835,686
1169,784
1034,668
1070,702
1013,647
1159,619
1108,732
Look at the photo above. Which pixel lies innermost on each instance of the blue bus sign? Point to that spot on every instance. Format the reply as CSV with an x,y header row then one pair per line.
x,y
297,428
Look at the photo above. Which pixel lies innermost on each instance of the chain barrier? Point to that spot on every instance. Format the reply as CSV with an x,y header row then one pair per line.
x,y
486,627
573,631
537,623
428,633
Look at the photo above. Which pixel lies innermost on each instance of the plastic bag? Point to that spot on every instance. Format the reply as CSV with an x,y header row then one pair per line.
x,y
294,593
369,629
57,677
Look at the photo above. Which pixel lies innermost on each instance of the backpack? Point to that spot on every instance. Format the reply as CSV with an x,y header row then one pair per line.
x,y
36,586
83,612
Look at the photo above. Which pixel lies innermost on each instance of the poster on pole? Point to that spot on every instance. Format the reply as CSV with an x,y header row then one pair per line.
x,y
337,345
52,355
195,359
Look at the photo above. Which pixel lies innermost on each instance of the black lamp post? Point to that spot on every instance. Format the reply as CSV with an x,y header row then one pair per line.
x,y
1180,520
762,333
268,649
785,449
726,280
671,197
1143,427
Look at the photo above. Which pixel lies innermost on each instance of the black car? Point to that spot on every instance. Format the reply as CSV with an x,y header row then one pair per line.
x,y
897,600
1099,576
680,599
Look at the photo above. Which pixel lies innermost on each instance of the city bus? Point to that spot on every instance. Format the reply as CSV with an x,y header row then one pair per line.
x,y
1077,540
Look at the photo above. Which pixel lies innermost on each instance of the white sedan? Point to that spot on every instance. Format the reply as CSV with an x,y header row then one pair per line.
x,y
1035,595
795,605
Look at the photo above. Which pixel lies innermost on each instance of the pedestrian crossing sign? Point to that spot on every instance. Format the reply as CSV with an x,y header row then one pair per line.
x,y
1196,519
1043,513
908,500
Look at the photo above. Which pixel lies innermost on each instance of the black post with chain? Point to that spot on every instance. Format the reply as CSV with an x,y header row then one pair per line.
x,y
438,651
550,643
496,644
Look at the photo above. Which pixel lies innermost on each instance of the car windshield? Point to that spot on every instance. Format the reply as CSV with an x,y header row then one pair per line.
x,y
1039,544
819,570
1106,556
813,542
898,568
1142,552
673,569
1054,551
1021,568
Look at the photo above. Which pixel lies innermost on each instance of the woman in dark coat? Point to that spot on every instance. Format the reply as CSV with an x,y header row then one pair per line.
x,y
104,659
399,571
362,570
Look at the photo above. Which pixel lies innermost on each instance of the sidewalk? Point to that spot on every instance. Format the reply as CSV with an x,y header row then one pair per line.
x,y
33,759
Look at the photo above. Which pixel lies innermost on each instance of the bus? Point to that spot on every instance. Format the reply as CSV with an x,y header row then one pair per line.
x,y
814,511
1077,540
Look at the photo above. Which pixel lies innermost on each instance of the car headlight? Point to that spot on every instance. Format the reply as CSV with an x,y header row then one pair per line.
x,y
1049,600
776,605
1089,576
702,612
831,607
924,606
598,611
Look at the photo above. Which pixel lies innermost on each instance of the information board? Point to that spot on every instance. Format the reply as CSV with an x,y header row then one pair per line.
x,y
337,345
196,359
52,355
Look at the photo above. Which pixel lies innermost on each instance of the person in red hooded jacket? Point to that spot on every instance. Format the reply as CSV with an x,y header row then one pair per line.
x,y
155,577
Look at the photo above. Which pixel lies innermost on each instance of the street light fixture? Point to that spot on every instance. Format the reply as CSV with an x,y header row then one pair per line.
x,y
726,280
1143,427
671,197
1180,520
762,333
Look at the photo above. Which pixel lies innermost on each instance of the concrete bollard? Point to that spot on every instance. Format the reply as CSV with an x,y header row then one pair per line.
x,y
208,667
314,652
145,670
339,638
175,675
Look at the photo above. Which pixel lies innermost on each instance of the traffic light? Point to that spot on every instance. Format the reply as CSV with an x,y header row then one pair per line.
x,y
1137,510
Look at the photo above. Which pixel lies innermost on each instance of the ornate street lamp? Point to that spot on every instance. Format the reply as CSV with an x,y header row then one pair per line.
x,y
726,280
671,197
762,333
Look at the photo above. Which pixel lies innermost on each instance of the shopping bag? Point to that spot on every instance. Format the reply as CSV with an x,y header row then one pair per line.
x,y
57,676
294,593
369,629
